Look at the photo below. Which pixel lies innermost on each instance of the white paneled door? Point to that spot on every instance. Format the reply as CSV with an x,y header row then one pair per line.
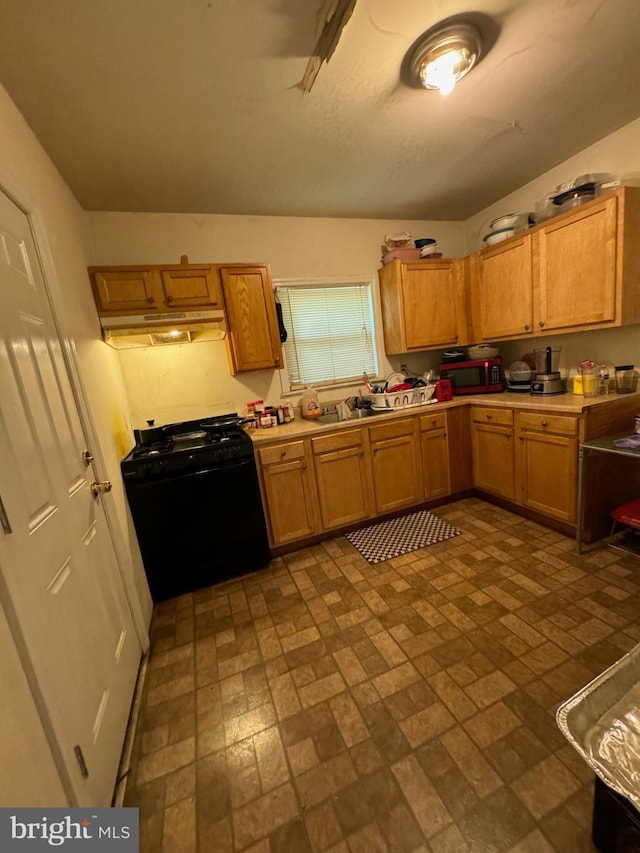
x,y
59,578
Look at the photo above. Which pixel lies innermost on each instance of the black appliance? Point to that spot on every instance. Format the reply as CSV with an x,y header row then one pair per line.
x,y
616,823
195,503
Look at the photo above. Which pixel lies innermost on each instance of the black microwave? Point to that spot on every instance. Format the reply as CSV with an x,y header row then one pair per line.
x,y
474,377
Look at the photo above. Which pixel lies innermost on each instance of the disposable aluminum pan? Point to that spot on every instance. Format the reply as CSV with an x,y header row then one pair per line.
x,y
602,722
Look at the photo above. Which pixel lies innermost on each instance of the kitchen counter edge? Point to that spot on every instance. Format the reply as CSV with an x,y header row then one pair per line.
x,y
574,404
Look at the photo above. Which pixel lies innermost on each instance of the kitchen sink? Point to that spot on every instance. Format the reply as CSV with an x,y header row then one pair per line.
x,y
356,415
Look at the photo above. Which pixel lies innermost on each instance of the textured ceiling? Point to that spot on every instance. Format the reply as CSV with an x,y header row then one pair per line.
x,y
193,105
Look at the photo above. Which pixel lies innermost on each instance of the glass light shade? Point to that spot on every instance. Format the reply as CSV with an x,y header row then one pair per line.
x,y
444,55
442,69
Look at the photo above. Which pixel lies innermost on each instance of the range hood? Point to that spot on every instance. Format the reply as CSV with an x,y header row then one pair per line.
x,y
177,327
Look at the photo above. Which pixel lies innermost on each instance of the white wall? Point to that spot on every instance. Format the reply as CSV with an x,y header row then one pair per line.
x,y
619,154
27,174
189,381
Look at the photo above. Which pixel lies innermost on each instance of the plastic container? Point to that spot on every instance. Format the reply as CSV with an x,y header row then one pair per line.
x,y
541,359
589,381
401,255
626,379
602,372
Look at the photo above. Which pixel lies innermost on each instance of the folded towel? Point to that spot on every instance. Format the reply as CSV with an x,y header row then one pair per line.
x,y
632,441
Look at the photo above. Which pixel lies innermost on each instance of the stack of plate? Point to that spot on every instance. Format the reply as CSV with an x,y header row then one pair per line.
x,y
505,226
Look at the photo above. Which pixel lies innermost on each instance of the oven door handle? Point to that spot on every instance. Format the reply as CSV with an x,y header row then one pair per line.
x,y
224,466
179,476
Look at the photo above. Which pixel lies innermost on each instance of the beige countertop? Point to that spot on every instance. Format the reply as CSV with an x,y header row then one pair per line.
x,y
573,404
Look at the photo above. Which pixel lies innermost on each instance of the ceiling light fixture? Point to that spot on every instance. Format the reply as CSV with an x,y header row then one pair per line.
x,y
444,54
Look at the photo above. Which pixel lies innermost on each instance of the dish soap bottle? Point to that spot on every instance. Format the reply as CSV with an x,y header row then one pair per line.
x,y
309,405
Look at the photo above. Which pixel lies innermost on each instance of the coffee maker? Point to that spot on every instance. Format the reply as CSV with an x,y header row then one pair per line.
x,y
547,377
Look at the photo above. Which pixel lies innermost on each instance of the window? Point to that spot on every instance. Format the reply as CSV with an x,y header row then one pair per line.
x,y
330,332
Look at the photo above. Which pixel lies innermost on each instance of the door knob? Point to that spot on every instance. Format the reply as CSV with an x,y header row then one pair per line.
x,y
101,487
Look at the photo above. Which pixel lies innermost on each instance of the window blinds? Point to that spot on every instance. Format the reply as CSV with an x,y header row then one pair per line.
x,y
330,333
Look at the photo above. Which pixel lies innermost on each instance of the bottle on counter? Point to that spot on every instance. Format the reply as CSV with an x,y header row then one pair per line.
x,y
309,405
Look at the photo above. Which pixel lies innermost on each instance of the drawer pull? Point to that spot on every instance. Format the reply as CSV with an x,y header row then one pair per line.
x,y
169,299
489,417
283,453
543,423
541,324
151,299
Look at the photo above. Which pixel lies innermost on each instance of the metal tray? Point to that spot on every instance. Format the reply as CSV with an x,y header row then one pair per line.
x,y
602,722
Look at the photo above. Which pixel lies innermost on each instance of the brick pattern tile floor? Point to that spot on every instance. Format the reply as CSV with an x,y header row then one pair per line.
x,y
324,704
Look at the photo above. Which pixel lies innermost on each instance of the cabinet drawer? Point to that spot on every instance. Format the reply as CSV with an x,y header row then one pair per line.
x,y
281,452
503,417
393,429
561,424
337,441
436,421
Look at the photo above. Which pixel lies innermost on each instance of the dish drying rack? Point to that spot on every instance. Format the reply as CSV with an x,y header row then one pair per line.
x,y
392,401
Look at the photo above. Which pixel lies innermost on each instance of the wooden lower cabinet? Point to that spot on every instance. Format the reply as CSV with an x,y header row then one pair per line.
x,y
338,479
546,463
435,455
395,465
492,445
340,466
289,491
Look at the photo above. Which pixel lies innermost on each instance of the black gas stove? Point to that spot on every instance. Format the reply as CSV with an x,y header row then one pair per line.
x,y
195,502
186,446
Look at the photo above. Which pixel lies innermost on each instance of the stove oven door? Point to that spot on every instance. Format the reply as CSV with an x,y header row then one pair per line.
x,y
199,527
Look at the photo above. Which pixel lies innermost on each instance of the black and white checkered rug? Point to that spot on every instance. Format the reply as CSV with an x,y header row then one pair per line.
x,y
388,539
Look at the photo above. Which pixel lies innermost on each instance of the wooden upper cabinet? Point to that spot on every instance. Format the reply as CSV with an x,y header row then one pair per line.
x,y
577,257
575,272
253,337
504,291
191,287
423,304
125,290
156,288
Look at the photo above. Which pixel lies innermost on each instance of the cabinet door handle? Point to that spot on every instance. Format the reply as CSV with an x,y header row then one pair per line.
x,y
304,466
541,324
521,438
507,435
169,299
151,299
277,359
362,453
526,328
